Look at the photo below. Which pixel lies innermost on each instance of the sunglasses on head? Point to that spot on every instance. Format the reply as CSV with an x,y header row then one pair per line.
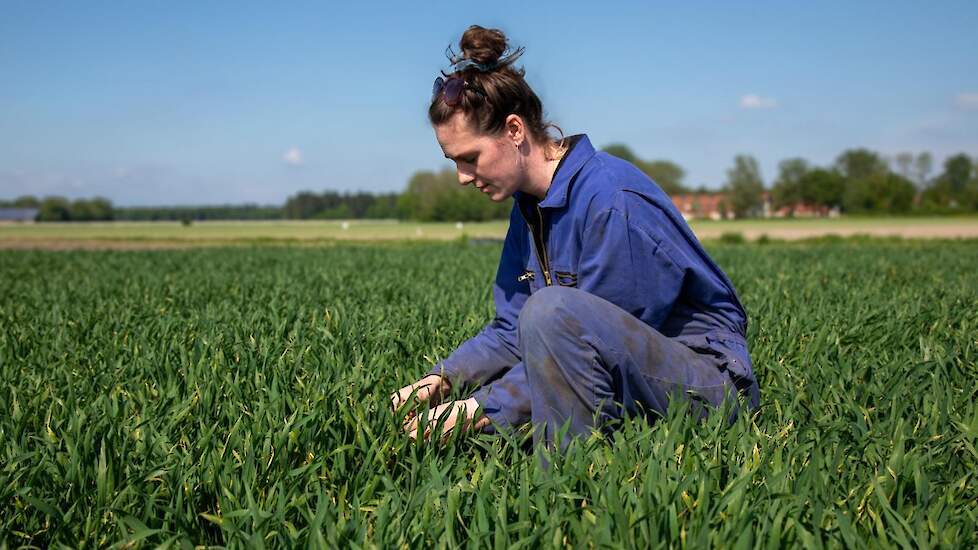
x,y
451,89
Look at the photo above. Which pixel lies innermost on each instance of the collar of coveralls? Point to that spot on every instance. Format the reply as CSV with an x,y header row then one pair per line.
x,y
579,151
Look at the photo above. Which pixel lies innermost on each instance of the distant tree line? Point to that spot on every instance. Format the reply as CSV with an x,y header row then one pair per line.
x,y
860,181
60,209
864,182
199,213
429,196
330,205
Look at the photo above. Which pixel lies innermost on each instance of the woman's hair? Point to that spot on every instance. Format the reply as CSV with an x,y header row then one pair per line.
x,y
491,95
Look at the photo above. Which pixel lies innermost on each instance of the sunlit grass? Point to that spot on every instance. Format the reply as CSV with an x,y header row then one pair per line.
x,y
239,397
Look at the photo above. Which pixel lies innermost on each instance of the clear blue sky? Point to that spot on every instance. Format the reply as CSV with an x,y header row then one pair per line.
x,y
151,103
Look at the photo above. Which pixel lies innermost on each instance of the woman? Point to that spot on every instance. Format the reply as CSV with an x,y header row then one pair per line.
x,y
606,303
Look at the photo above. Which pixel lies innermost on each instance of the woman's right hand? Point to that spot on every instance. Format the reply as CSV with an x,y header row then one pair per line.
x,y
431,388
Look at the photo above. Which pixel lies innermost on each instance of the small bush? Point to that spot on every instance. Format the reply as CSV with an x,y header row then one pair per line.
x,y
732,237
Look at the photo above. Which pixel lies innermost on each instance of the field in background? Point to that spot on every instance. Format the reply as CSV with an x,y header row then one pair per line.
x,y
169,234
239,397
249,231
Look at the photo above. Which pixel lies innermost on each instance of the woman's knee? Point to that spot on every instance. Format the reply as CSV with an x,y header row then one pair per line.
x,y
549,308
550,330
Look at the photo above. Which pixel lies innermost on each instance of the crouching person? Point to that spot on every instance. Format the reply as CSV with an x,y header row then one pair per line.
x,y
606,303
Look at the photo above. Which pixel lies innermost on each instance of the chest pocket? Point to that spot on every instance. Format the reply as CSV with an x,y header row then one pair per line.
x,y
565,278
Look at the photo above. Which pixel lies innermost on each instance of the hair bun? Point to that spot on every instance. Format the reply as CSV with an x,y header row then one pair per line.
x,y
482,45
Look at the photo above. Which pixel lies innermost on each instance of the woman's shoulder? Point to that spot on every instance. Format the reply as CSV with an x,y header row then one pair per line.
x,y
608,182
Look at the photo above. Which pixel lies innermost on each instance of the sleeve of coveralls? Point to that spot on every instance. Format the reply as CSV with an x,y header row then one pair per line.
x,y
496,347
507,400
624,264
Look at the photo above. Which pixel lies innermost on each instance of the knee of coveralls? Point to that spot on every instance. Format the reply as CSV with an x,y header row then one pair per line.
x,y
544,305
567,377
549,315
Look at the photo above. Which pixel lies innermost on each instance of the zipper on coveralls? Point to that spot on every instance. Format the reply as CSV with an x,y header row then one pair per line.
x,y
538,245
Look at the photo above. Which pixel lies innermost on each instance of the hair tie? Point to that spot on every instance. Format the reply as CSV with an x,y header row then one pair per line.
x,y
460,63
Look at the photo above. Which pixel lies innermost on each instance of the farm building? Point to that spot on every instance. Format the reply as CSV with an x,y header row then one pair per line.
x,y
716,206
22,215
711,206
806,210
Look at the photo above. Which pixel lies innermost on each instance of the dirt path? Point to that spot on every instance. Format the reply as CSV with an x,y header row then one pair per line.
x,y
951,231
94,244
906,229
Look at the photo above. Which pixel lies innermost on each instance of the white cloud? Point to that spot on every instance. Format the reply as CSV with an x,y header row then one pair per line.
x,y
967,100
754,101
293,156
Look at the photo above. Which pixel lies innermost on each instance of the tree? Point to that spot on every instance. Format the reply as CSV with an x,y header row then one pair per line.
x,y
359,203
384,207
899,193
922,166
81,211
823,187
787,189
438,196
957,172
303,205
745,186
54,209
904,162
27,201
880,193
668,175
341,211
87,210
969,197
856,164
419,197
621,151
952,189
101,209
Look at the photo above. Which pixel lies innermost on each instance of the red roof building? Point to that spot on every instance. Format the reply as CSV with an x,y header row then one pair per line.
x,y
711,206
716,206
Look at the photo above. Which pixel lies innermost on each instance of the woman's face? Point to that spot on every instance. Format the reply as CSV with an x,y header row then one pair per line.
x,y
490,163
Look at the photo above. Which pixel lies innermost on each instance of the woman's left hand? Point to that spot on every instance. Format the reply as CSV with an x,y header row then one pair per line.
x,y
452,413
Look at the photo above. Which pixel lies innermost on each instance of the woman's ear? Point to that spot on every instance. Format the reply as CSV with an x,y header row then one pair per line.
x,y
515,129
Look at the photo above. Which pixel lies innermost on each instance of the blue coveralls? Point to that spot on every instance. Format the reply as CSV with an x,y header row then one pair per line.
x,y
606,305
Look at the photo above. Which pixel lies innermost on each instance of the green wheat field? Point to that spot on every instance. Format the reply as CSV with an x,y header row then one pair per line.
x,y
238,396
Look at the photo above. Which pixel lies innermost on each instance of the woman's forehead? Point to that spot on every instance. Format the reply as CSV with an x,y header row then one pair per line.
x,y
457,128
457,137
